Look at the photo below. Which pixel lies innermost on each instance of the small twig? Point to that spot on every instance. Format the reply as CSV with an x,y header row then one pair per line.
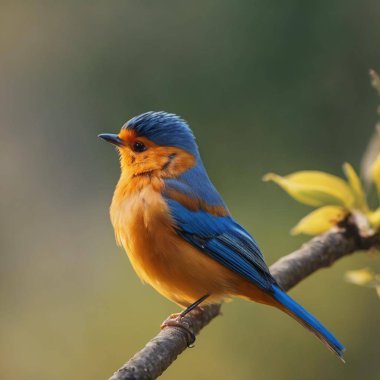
x,y
320,252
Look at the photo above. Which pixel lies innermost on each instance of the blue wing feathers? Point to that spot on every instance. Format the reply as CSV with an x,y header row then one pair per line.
x,y
224,240
231,245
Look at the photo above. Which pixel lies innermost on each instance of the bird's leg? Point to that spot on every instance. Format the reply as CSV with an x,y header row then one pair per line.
x,y
179,320
194,305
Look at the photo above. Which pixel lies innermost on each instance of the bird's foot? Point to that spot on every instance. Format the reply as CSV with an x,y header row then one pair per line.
x,y
180,321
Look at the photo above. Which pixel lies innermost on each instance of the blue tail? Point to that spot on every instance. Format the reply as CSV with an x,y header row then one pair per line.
x,y
296,311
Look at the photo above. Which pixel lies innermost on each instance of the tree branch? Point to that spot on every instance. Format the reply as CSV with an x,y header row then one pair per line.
x,y
320,252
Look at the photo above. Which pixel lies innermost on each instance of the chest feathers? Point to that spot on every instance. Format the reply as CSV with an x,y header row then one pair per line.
x,y
142,224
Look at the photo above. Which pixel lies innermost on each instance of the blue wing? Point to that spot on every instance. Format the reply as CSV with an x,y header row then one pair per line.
x,y
224,240
227,242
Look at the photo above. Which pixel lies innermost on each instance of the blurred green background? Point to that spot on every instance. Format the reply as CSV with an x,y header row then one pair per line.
x,y
266,86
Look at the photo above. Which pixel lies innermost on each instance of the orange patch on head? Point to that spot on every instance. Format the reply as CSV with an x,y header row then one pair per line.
x,y
196,204
127,135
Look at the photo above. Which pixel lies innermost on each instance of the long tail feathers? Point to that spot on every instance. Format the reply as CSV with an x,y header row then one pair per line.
x,y
296,311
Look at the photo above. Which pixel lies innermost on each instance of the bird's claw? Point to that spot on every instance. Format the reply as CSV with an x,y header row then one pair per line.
x,y
181,322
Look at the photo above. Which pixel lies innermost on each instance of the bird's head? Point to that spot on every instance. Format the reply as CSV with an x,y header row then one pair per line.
x,y
155,144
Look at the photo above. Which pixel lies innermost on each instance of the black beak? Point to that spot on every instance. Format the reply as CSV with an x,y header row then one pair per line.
x,y
111,138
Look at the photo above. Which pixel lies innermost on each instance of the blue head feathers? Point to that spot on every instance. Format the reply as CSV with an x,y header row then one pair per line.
x,y
164,129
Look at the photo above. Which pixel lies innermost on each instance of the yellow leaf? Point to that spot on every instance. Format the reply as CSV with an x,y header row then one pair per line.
x,y
361,277
320,220
375,172
315,188
375,80
374,218
378,290
356,186
369,157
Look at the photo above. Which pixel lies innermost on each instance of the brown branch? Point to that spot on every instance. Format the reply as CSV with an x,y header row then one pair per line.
x,y
320,252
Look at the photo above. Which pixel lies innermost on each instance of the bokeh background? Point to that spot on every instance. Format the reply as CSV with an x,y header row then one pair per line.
x,y
266,86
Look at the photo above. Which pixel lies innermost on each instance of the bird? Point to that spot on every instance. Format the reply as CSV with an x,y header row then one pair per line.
x,y
177,231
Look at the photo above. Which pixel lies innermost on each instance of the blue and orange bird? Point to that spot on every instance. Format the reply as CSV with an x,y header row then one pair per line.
x,y
177,230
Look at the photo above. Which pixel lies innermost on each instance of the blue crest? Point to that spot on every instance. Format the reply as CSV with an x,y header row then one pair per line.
x,y
164,129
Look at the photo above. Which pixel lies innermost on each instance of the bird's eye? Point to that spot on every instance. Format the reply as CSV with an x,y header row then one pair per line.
x,y
138,146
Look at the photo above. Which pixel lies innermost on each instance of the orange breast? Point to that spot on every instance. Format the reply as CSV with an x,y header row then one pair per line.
x,y
159,256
